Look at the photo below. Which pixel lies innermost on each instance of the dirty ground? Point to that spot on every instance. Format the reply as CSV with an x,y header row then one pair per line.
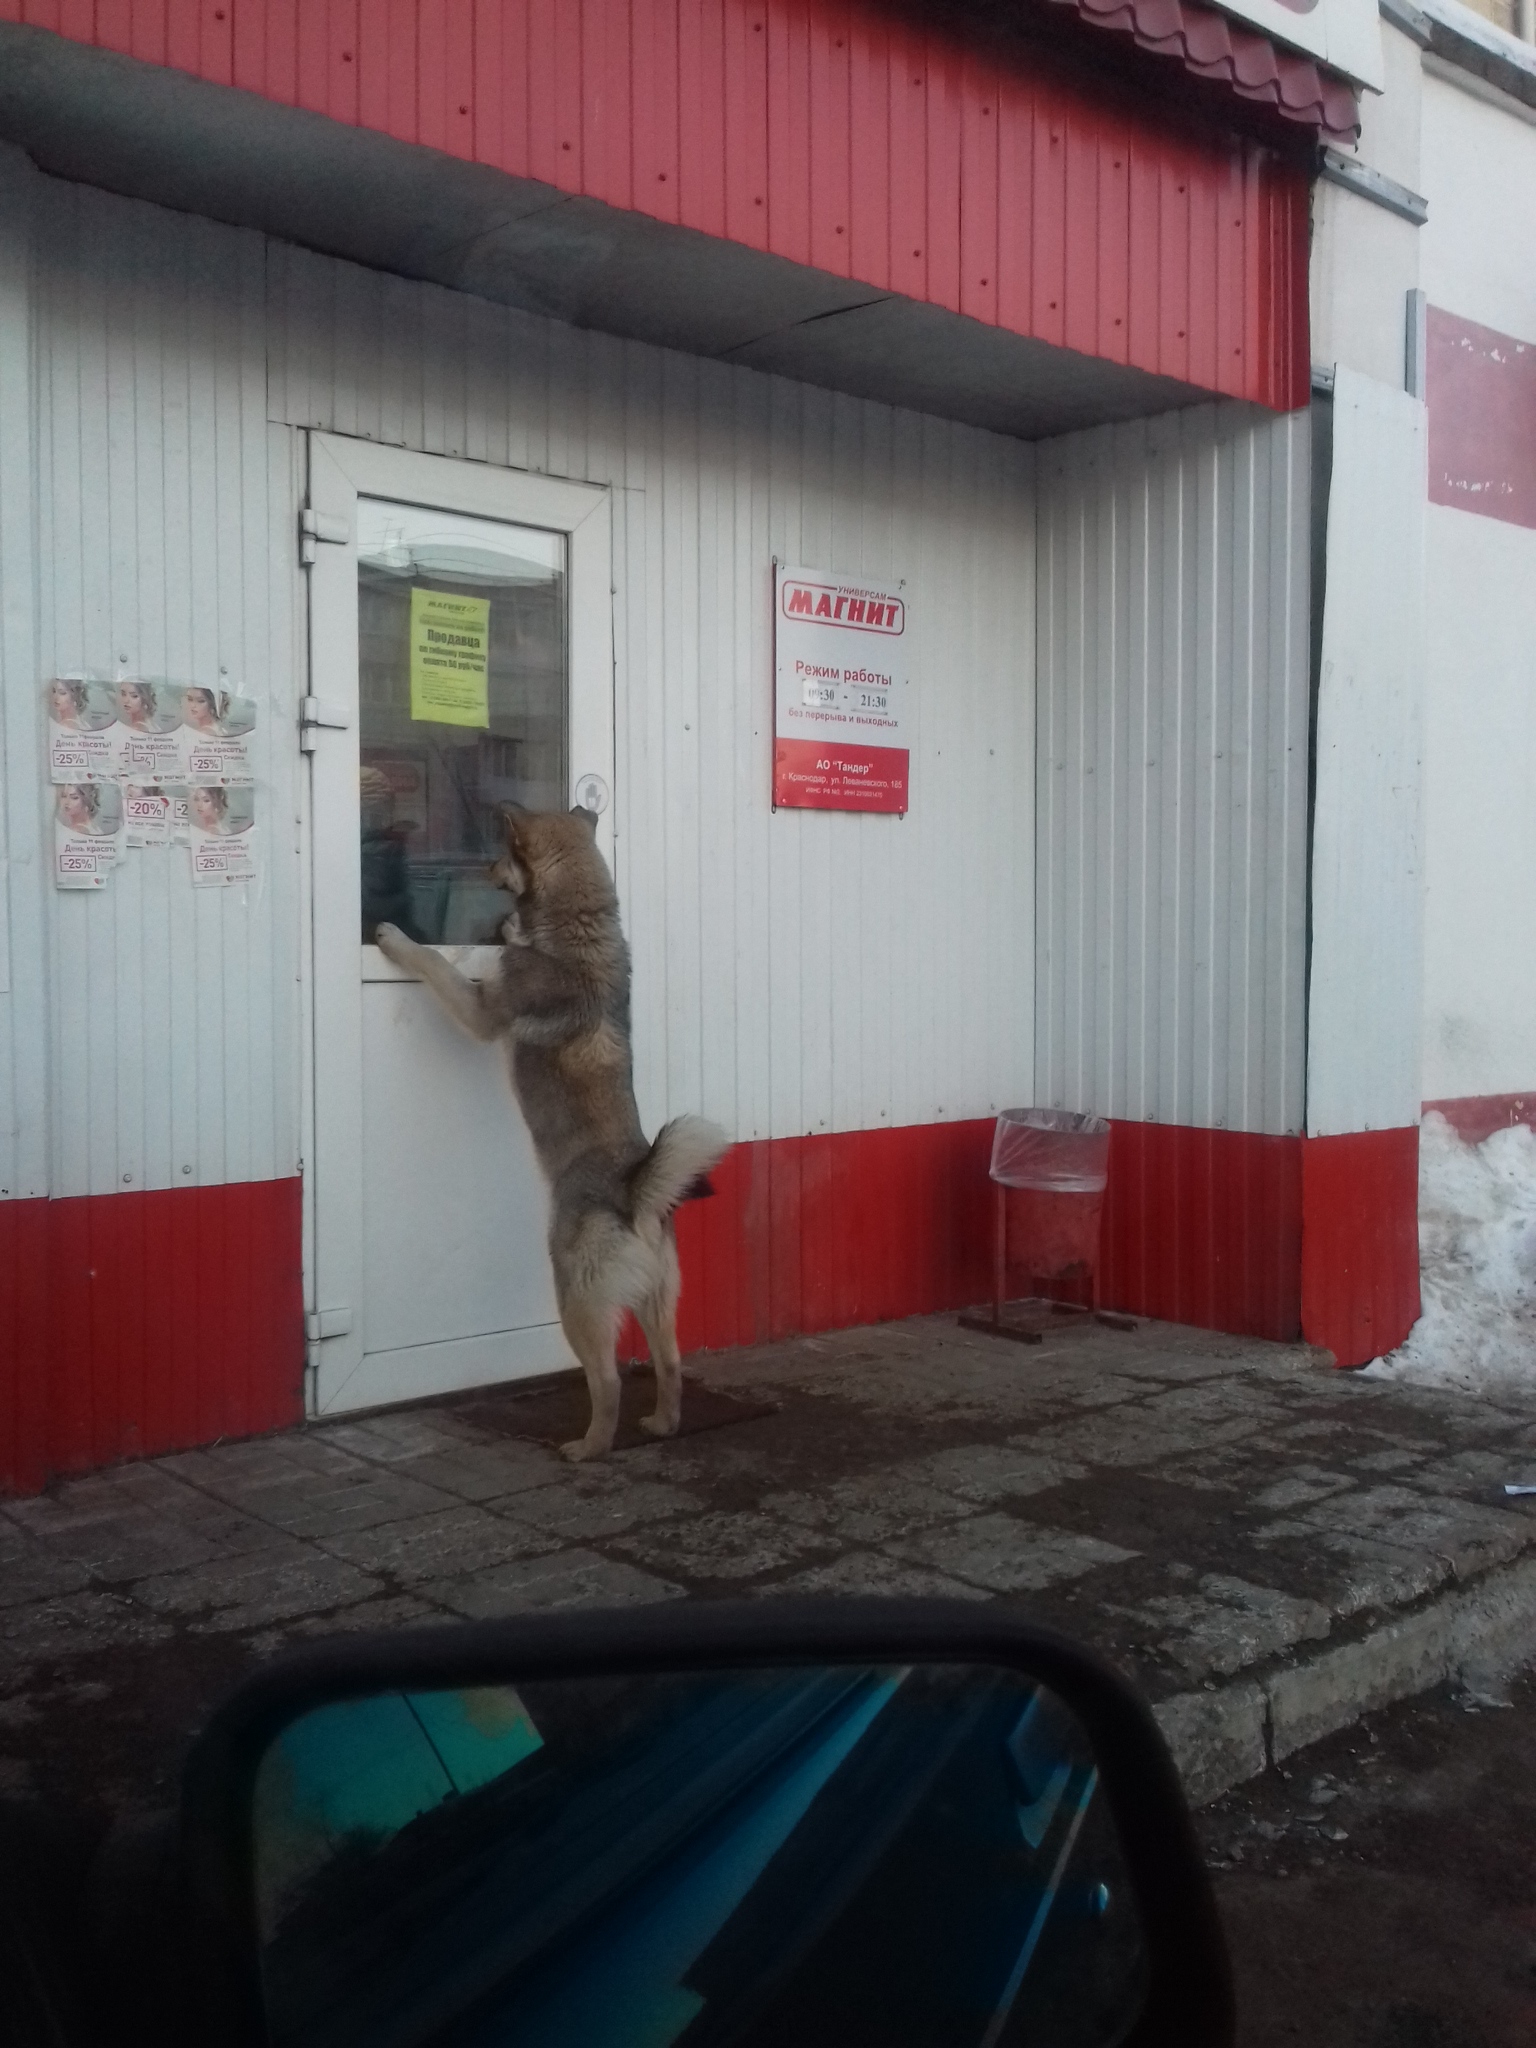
x,y
1245,1532
1382,1894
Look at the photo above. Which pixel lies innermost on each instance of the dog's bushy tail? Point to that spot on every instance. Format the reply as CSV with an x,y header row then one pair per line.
x,y
684,1151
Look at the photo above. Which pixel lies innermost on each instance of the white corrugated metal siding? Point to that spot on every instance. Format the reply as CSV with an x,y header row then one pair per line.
x,y
1173,682
1363,1046
23,1040
164,523
797,972
794,973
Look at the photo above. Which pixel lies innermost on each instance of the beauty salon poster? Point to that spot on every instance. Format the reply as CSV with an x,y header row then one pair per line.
x,y
215,737
150,742
146,740
88,834
149,813
222,827
82,717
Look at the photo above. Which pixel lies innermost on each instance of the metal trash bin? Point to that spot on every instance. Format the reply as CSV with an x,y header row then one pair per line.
x,y
1055,1151
1050,1168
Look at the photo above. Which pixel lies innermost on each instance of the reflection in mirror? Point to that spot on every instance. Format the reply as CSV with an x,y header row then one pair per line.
x,y
844,1854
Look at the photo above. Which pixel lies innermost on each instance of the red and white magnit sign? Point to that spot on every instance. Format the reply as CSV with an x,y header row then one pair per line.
x,y
840,694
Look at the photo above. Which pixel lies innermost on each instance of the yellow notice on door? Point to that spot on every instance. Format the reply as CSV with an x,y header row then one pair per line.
x,y
450,658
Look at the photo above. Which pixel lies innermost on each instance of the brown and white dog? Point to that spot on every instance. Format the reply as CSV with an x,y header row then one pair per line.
x,y
561,1002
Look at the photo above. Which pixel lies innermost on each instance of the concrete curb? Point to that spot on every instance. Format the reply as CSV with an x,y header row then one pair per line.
x,y
1480,1634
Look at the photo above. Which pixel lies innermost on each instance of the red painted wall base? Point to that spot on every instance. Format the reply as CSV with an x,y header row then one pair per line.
x,y
808,1234
1225,1230
1360,1242
1476,1117
1204,1227
134,1324
138,1323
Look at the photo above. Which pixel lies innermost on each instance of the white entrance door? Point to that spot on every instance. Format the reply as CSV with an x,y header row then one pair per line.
x,y
461,656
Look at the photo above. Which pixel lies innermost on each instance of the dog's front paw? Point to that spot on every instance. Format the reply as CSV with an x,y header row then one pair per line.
x,y
581,1450
392,943
659,1424
512,933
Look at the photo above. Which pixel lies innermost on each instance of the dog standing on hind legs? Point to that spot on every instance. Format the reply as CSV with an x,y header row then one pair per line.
x,y
561,1002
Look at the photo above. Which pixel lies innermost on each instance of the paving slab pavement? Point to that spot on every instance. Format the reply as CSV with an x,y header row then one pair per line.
x,y
1267,1546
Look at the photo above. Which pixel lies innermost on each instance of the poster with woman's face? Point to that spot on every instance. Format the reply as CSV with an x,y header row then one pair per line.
x,y
82,717
147,736
88,834
221,824
215,736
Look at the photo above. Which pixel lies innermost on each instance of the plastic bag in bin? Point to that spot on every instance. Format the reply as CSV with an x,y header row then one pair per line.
x,y
1054,1151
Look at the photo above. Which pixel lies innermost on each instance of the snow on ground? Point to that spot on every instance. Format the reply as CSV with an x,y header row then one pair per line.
x,y
1477,1251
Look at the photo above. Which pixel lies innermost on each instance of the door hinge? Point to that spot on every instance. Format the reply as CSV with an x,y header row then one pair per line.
x,y
327,1322
319,714
317,529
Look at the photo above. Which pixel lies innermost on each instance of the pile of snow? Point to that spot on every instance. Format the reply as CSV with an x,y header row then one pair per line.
x,y
1477,1255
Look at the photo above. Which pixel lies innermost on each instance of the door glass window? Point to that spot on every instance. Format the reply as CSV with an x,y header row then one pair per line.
x,y
462,680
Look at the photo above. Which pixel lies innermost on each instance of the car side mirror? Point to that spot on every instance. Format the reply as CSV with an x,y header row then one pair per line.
x,y
868,1823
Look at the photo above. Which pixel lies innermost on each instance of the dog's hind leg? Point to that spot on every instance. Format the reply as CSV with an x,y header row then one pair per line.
x,y
657,1316
591,1330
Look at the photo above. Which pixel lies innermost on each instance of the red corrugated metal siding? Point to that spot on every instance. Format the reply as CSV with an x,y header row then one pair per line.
x,y
139,1323
834,135
25,1384
1204,1227
807,1234
1225,1230
1360,1242
820,1233
146,1322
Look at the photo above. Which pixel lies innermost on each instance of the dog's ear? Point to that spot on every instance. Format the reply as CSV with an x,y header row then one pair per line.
x,y
581,811
513,819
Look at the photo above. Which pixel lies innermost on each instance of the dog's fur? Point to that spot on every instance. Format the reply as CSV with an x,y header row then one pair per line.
x,y
561,1001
